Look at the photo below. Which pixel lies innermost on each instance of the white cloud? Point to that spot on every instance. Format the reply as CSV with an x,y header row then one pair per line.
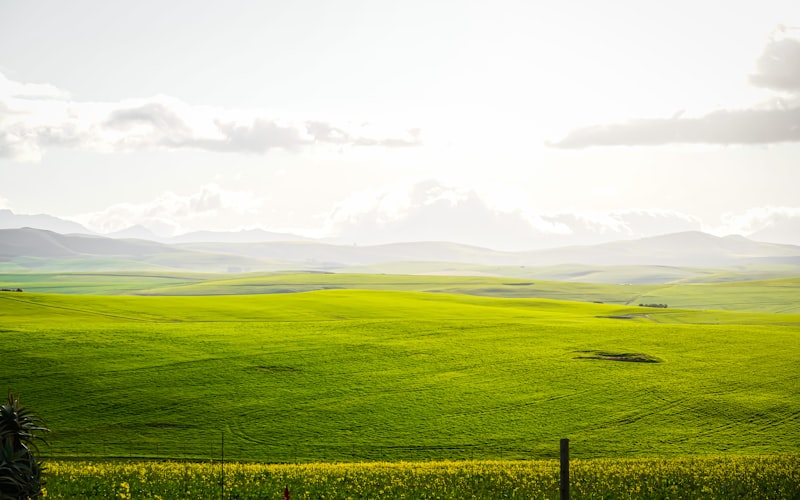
x,y
755,219
10,88
432,210
172,214
425,210
588,227
768,223
35,117
778,67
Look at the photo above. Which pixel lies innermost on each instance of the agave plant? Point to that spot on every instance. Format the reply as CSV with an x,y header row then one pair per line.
x,y
20,471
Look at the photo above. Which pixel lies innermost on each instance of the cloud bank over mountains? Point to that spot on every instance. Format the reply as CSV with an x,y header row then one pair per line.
x,y
772,224
775,121
430,210
170,214
425,210
36,117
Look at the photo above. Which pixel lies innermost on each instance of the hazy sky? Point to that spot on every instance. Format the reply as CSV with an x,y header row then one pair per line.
x,y
504,124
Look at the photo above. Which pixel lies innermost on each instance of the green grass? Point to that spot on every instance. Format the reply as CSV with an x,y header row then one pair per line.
x,y
775,295
389,375
582,273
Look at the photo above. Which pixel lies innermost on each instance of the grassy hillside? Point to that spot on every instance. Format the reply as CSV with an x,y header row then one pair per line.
x,y
354,374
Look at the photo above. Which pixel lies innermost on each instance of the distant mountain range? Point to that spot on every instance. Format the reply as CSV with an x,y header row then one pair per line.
x,y
691,248
28,249
10,220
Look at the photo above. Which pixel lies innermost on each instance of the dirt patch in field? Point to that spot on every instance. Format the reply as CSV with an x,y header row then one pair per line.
x,y
629,357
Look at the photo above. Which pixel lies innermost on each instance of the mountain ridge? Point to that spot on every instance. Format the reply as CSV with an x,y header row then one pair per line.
x,y
29,248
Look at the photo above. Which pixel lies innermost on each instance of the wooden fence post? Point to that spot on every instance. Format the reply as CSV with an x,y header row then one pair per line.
x,y
564,469
222,461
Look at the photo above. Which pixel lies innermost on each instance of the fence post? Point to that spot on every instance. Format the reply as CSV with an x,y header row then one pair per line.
x,y
222,461
564,469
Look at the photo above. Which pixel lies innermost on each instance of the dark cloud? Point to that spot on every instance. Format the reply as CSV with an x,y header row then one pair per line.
x,y
166,128
778,69
153,114
779,66
750,126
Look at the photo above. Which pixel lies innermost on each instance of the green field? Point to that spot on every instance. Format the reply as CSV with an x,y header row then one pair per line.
x,y
773,295
377,370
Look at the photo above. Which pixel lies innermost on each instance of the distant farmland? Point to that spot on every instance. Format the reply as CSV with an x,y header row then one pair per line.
x,y
724,292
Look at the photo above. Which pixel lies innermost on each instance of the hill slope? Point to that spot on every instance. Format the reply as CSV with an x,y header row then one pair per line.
x,y
366,375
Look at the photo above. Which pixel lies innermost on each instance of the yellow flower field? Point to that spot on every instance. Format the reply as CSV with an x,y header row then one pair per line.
x,y
759,477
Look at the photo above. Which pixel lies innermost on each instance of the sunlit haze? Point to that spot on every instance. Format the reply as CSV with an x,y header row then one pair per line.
x,y
507,124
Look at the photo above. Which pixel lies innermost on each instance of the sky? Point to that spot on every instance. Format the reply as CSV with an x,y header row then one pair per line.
x,y
506,124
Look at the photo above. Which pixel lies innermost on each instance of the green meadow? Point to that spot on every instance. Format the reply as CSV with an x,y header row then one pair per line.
x,y
374,367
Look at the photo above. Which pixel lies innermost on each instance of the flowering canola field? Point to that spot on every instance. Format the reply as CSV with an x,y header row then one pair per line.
x,y
755,477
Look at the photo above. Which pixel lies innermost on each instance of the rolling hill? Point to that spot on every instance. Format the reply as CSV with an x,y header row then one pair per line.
x,y
357,375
